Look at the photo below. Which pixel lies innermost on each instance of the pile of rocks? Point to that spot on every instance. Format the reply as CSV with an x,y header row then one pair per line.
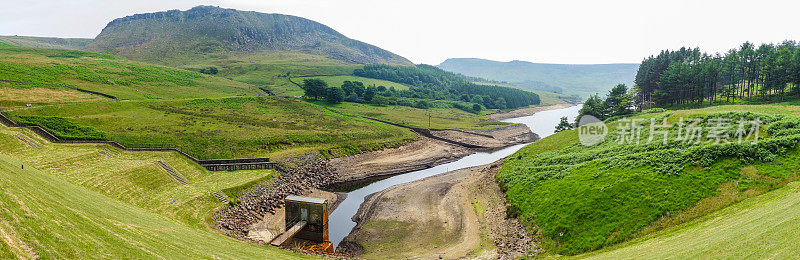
x,y
297,176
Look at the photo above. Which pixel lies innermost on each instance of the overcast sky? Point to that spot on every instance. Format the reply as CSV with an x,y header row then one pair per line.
x,y
430,31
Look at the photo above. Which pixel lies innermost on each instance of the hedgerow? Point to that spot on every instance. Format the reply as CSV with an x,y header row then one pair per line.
x,y
61,127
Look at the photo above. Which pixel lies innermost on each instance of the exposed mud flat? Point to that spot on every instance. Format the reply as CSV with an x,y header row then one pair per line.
x,y
526,111
426,152
492,139
458,214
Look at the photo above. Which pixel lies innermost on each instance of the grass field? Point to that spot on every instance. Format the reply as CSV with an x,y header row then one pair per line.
x,y
17,94
762,227
232,127
71,201
337,81
441,118
113,75
608,193
270,69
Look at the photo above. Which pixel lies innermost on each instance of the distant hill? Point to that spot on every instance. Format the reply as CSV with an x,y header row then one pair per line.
x,y
46,42
582,80
178,37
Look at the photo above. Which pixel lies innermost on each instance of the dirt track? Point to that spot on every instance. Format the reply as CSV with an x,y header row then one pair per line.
x,y
459,214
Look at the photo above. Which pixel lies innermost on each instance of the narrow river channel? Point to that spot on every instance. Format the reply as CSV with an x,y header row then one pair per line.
x,y
542,123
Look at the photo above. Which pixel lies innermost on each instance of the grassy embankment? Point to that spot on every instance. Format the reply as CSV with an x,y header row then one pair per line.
x,y
71,201
608,193
760,227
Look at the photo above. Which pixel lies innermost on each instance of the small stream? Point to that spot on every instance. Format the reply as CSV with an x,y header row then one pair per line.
x,y
542,123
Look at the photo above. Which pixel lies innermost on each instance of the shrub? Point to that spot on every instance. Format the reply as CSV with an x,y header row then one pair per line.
x,y
62,128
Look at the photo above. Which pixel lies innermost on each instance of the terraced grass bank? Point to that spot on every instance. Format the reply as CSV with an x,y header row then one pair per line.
x,y
582,198
72,201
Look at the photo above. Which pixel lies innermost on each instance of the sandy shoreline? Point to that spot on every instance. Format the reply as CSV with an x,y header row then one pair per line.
x,y
526,111
458,214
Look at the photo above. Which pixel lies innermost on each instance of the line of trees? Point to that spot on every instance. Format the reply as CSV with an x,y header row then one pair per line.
x,y
616,103
429,82
688,76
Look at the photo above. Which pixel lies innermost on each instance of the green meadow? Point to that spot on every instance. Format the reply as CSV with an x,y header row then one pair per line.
x,y
113,75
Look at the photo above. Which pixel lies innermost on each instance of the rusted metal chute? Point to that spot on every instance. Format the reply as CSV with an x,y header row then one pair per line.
x,y
306,218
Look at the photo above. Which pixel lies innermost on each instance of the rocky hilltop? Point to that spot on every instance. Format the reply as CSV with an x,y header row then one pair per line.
x,y
164,37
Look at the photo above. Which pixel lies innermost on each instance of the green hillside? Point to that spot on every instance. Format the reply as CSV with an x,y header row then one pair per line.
x,y
46,42
71,201
582,80
608,193
113,75
227,128
761,227
177,37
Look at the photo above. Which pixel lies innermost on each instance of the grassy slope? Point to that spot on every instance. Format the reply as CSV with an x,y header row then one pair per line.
x,y
45,210
269,69
46,42
602,200
19,94
113,75
440,118
175,37
761,227
131,177
232,127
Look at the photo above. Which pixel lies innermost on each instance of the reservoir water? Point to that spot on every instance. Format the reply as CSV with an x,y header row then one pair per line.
x,y
542,123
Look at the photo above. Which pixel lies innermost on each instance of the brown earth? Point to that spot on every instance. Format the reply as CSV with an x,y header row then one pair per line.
x,y
426,153
458,214
526,111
